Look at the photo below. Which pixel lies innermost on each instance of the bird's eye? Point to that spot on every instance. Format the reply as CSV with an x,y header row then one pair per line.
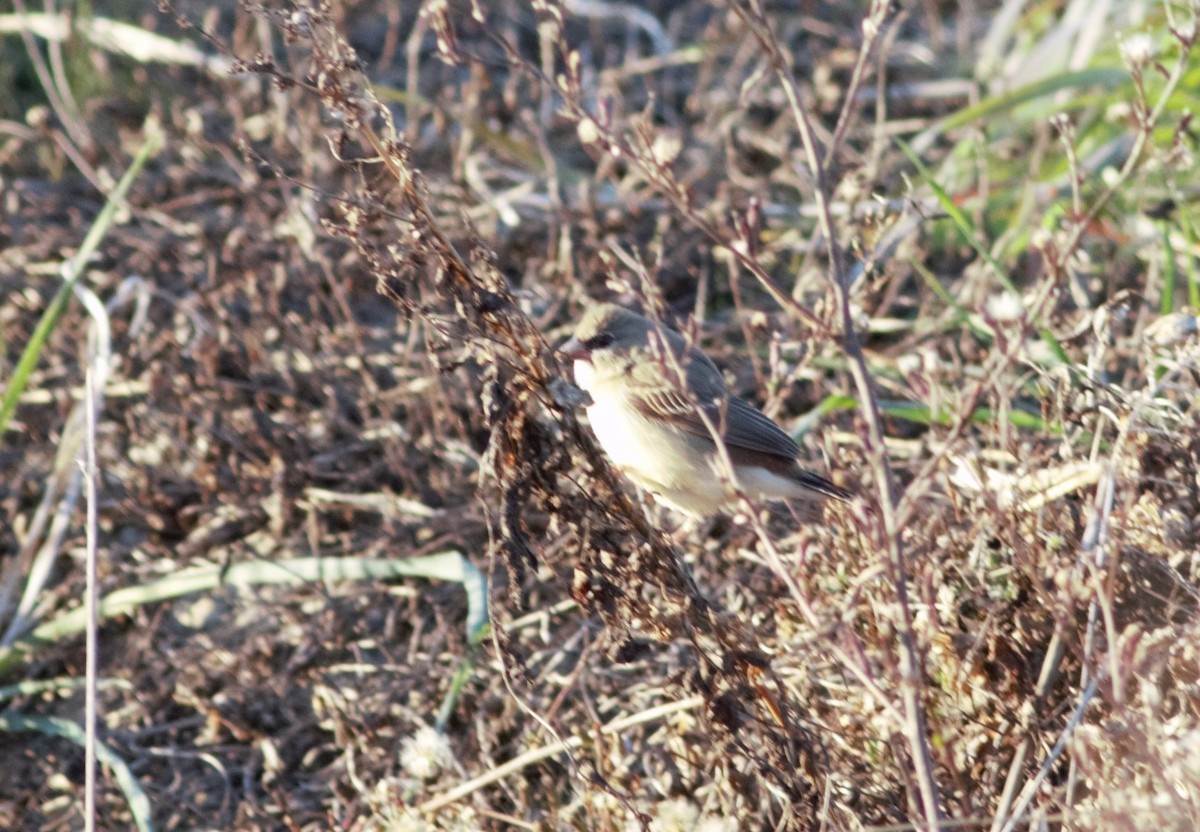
x,y
599,341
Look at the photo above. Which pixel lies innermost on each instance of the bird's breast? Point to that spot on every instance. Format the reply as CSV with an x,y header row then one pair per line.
x,y
629,439
654,453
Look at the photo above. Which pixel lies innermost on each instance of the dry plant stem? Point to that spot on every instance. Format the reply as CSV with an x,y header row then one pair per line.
x,y
414,109
33,562
1095,555
92,603
859,666
458,267
872,27
38,552
911,679
505,328
1186,40
61,81
1055,650
1046,679
76,156
506,675
879,137
1094,548
661,178
1032,786
545,752
68,115
99,358
1094,551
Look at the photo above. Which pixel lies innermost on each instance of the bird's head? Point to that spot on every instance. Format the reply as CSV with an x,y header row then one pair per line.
x,y
608,333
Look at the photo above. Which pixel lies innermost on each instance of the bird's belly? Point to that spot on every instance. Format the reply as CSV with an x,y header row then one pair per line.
x,y
675,466
631,441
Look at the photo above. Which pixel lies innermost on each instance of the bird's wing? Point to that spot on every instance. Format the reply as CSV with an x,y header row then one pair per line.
x,y
742,426
748,427
750,437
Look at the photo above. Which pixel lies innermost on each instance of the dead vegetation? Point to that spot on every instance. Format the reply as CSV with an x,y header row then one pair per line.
x,y
366,231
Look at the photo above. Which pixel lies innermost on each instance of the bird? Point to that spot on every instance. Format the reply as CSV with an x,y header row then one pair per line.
x,y
656,403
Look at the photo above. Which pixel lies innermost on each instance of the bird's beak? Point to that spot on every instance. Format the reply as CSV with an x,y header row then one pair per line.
x,y
575,350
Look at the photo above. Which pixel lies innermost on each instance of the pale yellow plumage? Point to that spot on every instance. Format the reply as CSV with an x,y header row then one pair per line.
x,y
648,419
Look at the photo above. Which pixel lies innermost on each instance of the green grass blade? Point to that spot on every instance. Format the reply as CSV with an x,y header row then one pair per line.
x,y
961,316
961,221
1107,77
53,726
73,268
59,685
921,414
1167,304
445,566
967,229
1193,265
475,584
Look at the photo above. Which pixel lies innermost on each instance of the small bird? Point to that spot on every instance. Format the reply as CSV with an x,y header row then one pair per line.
x,y
648,388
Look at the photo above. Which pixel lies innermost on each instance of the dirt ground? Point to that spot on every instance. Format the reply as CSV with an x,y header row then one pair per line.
x,y
325,348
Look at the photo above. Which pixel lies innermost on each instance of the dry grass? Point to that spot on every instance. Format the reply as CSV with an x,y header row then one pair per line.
x,y
360,248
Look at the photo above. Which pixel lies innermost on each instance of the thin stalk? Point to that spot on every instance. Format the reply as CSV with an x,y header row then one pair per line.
x,y
911,667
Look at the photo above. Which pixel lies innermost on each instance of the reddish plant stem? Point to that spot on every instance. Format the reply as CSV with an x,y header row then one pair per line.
x,y
910,661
